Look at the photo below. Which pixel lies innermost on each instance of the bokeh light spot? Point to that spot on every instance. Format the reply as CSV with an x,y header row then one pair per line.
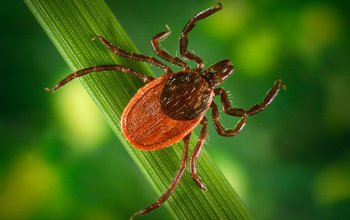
x,y
81,120
320,26
30,182
336,112
332,185
257,54
225,24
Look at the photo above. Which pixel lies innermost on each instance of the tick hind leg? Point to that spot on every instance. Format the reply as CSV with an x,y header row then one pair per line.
x,y
100,68
239,112
227,108
133,56
162,53
220,128
173,184
184,35
195,154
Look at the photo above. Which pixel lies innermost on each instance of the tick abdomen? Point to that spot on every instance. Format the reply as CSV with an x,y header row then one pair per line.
x,y
147,126
185,96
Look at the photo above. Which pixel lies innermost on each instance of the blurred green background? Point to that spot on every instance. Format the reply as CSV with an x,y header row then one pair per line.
x,y
59,160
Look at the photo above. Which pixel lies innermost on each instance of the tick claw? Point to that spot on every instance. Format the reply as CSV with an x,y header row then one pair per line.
x,y
136,214
281,84
167,28
95,37
49,90
284,87
199,183
204,188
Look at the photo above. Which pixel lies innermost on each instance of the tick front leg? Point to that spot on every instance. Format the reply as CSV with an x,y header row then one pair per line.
x,y
173,184
162,53
100,68
133,56
239,112
218,126
195,154
184,35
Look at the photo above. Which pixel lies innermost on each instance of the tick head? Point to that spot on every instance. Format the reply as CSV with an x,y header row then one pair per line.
x,y
218,72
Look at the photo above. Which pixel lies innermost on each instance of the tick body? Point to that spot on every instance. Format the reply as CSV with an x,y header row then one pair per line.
x,y
168,108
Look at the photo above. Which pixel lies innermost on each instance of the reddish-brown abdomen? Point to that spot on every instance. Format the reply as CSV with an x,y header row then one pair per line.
x,y
144,123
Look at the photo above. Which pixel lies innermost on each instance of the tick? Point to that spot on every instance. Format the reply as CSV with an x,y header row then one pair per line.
x,y
167,109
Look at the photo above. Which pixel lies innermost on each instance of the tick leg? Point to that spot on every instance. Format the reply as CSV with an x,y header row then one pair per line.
x,y
133,56
218,126
100,68
184,35
195,154
162,53
239,112
173,184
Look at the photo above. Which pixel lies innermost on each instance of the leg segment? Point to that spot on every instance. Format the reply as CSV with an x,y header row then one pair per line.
x,y
184,35
163,54
173,184
218,126
100,68
195,154
132,56
226,106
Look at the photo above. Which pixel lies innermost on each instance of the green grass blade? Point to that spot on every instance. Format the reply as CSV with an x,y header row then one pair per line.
x,y
70,24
